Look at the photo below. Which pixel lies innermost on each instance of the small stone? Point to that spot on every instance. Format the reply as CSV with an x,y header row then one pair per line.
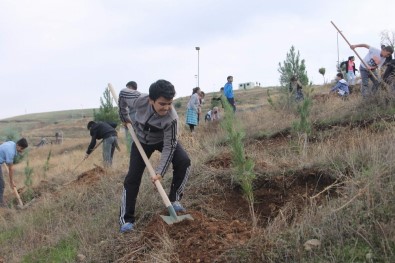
x,y
369,257
312,243
81,258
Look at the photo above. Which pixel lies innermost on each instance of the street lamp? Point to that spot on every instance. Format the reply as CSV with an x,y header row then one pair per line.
x,y
198,75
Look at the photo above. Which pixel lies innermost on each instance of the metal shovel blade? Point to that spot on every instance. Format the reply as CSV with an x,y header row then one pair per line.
x,y
174,218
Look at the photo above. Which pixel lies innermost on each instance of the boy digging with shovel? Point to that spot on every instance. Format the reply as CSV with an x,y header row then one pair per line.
x,y
8,151
156,128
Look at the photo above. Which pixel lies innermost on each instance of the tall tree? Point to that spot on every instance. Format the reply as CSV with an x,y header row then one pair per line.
x,y
388,38
107,111
322,72
293,66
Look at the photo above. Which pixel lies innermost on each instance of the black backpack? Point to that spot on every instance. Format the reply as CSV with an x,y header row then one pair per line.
x,y
343,65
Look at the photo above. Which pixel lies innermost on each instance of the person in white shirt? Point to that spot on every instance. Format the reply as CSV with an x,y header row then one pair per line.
x,y
373,60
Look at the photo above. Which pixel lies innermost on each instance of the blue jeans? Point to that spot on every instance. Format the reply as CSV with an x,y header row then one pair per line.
x,y
366,75
2,185
351,78
109,145
232,103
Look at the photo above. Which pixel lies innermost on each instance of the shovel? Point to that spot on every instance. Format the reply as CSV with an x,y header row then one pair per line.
x,y
97,145
385,85
173,218
20,203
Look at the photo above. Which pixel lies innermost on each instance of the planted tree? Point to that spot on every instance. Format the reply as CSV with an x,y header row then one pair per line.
x,y
388,38
107,111
46,165
322,72
10,134
177,104
244,166
302,127
28,180
293,66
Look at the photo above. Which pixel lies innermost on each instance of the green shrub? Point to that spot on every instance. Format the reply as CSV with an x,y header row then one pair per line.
x,y
244,166
28,180
177,104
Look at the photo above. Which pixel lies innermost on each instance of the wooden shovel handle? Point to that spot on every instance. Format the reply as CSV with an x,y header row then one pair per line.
x,y
18,196
356,53
151,170
15,190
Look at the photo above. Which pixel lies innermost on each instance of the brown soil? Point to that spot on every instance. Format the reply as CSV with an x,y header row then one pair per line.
x,y
220,162
223,223
90,177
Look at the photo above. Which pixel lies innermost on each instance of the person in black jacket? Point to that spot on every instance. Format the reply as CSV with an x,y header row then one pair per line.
x,y
106,131
389,74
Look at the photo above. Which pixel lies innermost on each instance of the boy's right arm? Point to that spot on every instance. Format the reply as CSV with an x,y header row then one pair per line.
x,y
359,45
11,174
91,145
127,101
335,87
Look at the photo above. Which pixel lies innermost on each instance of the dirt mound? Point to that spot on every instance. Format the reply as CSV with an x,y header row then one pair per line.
x,y
203,239
90,177
273,194
222,161
223,222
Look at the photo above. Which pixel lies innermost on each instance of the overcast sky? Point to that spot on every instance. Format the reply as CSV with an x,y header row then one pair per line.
x,y
59,55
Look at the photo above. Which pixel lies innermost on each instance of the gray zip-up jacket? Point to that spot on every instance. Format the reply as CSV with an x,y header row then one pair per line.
x,y
150,127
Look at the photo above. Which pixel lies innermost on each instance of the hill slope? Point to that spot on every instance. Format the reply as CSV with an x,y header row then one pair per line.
x,y
338,190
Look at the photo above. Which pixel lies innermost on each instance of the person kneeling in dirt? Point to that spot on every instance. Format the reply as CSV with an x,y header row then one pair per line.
x,y
156,128
212,115
106,131
341,87
8,151
296,87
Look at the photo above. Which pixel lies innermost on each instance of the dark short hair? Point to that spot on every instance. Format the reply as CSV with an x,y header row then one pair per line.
x,y
229,77
389,49
132,85
90,124
22,143
350,57
294,78
221,89
161,88
194,90
340,75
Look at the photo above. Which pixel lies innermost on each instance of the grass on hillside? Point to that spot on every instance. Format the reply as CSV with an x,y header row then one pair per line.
x,y
354,224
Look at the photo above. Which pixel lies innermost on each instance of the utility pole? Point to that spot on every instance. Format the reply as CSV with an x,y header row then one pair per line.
x,y
198,75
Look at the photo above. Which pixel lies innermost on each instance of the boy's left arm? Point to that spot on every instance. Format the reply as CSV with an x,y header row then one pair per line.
x,y
169,146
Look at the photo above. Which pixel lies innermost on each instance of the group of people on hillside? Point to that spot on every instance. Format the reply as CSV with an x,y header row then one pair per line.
x,y
194,106
155,122
369,70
